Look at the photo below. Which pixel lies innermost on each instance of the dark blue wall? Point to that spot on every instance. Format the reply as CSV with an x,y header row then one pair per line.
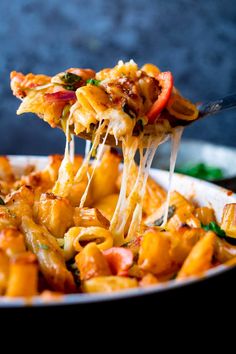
x,y
194,39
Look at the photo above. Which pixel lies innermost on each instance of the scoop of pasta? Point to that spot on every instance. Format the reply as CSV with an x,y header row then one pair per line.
x,y
126,100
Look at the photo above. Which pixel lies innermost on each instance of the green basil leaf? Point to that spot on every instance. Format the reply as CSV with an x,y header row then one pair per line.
x,y
213,226
70,78
159,221
93,82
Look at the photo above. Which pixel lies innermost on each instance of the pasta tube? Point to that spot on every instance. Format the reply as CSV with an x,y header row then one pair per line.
x,y
86,217
50,258
56,213
23,276
91,262
4,271
199,259
108,284
12,241
102,237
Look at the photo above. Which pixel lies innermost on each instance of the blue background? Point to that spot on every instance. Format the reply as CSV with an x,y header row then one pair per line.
x,y
196,40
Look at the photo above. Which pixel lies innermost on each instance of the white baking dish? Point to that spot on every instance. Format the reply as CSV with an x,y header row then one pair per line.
x,y
202,192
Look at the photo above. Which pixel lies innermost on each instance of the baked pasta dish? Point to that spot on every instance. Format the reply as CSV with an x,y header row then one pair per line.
x,y
87,224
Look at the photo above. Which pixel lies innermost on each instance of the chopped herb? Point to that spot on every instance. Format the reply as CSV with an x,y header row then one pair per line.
x,y
75,272
43,246
71,81
159,221
213,226
2,201
128,111
201,171
93,82
70,87
70,78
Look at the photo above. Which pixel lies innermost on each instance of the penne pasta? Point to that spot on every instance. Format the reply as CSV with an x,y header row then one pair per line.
x,y
56,213
91,262
154,253
199,259
86,217
49,255
108,284
23,275
4,271
228,223
12,241
102,237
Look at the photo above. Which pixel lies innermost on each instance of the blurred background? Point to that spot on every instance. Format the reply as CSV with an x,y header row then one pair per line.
x,y
196,40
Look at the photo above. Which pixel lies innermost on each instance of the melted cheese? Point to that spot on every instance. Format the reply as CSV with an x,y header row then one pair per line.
x,y
65,175
175,141
97,160
130,207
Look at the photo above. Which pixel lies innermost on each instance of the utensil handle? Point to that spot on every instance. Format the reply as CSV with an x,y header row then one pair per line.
x,y
217,105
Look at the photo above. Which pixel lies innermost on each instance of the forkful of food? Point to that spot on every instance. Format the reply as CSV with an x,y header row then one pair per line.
x,y
118,102
135,109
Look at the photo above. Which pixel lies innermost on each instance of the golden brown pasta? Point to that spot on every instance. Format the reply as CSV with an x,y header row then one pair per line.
x,y
199,259
182,242
23,275
108,284
56,213
12,241
105,176
7,218
224,251
228,223
107,205
4,271
86,217
102,237
205,215
6,172
21,203
91,262
154,254
50,258
148,280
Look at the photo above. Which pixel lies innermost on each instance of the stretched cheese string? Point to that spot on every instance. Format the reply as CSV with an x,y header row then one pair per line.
x,y
96,162
65,175
175,141
72,148
140,187
82,171
88,145
129,148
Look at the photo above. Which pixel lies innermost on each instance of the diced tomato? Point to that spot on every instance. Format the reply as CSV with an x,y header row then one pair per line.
x,y
119,259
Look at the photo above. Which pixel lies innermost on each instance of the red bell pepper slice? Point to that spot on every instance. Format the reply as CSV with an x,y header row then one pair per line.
x,y
119,259
166,82
60,96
